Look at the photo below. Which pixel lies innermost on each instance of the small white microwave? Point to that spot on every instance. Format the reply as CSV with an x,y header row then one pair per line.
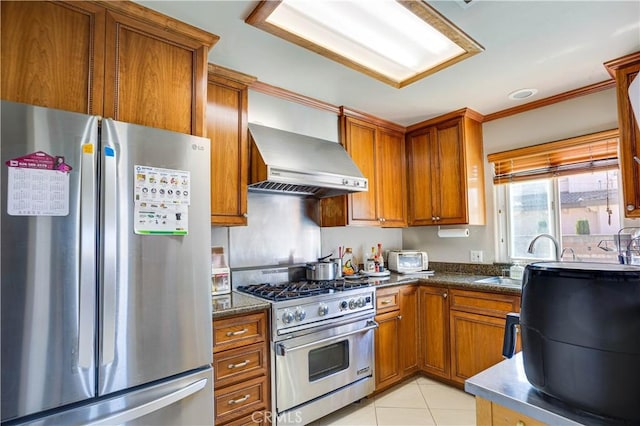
x,y
407,261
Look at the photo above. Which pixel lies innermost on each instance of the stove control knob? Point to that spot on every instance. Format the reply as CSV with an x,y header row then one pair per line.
x,y
360,302
323,310
287,317
300,314
352,304
343,305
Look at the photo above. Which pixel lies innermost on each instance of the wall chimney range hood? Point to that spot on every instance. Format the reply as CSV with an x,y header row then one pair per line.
x,y
286,162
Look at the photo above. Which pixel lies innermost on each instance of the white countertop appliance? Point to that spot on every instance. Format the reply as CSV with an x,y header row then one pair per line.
x,y
407,261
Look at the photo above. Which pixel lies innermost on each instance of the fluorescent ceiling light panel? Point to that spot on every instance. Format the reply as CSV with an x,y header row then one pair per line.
x,y
397,42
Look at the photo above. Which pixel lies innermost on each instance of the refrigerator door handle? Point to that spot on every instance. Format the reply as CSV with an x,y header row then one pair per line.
x,y
87,288
151,406
109,255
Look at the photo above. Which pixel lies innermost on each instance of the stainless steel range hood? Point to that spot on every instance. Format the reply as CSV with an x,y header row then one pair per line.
x,y
288,162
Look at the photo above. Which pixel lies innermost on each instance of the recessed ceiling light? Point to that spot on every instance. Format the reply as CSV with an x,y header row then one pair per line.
x,y
397,42
521,94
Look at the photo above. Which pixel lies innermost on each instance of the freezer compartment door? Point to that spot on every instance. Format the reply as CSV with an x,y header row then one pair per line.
x,y
155,317
48,251
183,401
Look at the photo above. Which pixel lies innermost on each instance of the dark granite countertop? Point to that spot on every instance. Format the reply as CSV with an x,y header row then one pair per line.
x,y
506,384
236,303
462,281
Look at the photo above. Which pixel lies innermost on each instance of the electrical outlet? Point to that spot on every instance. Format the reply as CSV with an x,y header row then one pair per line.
x,y
476,256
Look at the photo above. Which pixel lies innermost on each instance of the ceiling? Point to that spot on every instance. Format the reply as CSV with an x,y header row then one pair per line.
x,y
551,46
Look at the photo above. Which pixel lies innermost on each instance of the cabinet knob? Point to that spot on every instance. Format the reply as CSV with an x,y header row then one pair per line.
x,y
444,295
245,215
437,218
630,207
399,317
433,218
635,157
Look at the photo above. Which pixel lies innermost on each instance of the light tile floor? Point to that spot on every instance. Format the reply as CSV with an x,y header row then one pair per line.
x,y
418,401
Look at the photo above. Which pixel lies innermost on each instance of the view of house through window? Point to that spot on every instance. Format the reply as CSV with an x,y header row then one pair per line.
x,y
580,211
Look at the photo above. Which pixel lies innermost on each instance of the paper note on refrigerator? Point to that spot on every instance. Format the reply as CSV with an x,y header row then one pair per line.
x,y
37,191
161,201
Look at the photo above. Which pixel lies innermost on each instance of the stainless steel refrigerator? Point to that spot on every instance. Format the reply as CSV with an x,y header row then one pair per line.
x,y
106,308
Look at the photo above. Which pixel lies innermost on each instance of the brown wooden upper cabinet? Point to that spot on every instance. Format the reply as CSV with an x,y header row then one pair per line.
x,y
377,148
115,59
624,70
227,128
446,170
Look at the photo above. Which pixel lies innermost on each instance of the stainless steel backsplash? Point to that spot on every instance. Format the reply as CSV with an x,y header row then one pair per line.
x,y
282,230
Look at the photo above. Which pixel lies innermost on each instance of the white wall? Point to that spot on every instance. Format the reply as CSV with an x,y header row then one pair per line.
x,y
575,117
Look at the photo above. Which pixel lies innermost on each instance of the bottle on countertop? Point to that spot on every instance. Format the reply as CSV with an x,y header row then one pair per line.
x,y
516,271
347,262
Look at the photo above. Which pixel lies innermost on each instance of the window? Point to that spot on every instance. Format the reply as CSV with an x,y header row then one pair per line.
x,y
568,190
580,211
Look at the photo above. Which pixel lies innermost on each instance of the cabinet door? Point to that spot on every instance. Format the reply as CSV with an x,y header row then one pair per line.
x,y
227,129
386,349
53,54
476,343
629,141
408,341
154,77
450,203
434,331
392,181
421,168
360,139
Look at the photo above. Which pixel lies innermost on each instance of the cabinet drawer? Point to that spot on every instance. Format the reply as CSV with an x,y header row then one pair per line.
x,y
239,331
240,400
503,416
240,364
387,300
256,418
492,304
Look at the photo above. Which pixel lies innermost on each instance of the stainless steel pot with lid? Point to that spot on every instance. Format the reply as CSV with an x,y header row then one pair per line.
x,y
323,270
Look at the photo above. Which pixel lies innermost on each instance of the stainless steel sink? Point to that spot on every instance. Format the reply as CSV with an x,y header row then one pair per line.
x,y
499,281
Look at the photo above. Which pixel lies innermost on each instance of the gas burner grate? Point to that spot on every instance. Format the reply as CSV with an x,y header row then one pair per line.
x,y
286,291
299,289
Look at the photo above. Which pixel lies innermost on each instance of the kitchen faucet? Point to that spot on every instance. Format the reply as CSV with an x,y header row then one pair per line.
x,y
555,243
573,253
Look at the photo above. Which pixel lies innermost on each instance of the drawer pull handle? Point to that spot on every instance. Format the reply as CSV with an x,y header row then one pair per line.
x,y
385,302
239,400
237,333
239,365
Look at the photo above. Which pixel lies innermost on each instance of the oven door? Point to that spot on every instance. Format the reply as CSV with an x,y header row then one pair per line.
x,y
310,366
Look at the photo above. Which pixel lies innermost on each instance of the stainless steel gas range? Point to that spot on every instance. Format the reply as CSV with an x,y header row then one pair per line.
x,y
322,355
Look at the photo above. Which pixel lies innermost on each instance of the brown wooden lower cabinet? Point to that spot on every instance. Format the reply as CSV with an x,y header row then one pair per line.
x,y
387,338
396,341
491,414
434,331
477,322
476,343
241,369
240,399
461,331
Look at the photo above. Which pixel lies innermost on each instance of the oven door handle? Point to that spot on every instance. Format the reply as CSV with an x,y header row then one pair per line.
x,y
282,349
